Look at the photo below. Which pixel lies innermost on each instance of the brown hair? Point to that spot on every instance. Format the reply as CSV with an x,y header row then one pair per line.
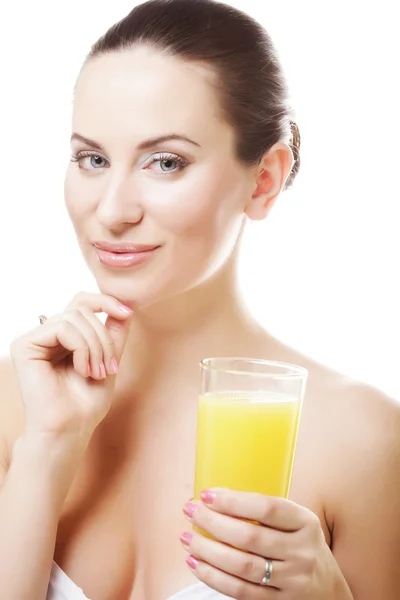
x,y
252,86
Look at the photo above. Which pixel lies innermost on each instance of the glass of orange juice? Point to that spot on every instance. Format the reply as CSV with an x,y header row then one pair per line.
x,y
248,417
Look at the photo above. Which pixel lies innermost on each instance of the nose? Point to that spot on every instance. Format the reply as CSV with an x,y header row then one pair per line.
x,y
118,207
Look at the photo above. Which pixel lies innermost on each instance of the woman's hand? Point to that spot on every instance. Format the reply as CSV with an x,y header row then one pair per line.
x,y
66,367
289,535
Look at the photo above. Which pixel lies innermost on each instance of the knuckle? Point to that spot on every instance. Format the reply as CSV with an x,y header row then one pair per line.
x,y
77,300
252,538
79,296
269,509
315,526
232,504
241,590
65,327
196,546
81,355
73,313
201,517
313,520
67,331
83,348
96,349
308,564
284,543
110,346
205,573
247,568
302,584
205,519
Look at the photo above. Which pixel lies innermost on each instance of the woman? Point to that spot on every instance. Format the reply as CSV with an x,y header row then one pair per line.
x,y
181,132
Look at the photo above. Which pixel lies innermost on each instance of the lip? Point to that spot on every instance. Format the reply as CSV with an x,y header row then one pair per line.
x,y
123,248
123,256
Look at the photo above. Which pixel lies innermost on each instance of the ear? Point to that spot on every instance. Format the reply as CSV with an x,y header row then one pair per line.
x,y
271,175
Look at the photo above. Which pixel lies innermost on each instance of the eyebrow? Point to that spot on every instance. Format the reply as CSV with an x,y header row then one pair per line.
x,y
146,145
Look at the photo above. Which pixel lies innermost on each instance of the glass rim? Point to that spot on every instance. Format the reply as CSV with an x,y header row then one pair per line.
x,y
292,371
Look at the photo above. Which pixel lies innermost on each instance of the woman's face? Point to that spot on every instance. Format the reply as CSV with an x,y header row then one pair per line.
x,y
185,198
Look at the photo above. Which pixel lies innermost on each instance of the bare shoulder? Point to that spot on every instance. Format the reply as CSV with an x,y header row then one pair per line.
x,y
360,424
11,410
356,452
357,425
365,447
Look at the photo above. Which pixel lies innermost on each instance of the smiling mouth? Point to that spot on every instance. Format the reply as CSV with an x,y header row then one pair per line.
x,y
122,256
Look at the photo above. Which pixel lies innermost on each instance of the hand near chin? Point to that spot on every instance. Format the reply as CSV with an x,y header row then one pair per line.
x,y
66,367
280,554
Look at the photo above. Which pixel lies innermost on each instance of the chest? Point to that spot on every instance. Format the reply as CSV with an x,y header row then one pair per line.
x,y
118,536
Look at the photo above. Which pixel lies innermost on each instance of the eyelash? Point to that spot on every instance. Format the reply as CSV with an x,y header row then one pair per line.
x,y
163,157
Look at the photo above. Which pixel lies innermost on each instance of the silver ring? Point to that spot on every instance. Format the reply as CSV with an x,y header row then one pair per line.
x,y
268,572
42,319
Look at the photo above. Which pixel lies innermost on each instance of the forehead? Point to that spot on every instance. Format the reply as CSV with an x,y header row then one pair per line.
x,y
145,92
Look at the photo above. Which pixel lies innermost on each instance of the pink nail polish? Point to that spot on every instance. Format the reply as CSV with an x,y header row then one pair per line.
x,y
208,496
192,562
125,309
113,366
102,370
189,509
186,538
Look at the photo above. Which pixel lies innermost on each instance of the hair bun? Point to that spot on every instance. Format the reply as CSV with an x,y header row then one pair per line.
x,y
296,139
295,146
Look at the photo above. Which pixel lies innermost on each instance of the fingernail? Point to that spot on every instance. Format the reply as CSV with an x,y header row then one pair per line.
x,y
102,370
208,496
186,538
113,366
125,309
189,509
192,562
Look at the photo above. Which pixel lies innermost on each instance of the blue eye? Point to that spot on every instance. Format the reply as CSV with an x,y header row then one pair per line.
x,y
165,163
95,160
170,161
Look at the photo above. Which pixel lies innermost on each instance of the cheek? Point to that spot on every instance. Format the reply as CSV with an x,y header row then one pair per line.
x,y
75,197
203,222
203,206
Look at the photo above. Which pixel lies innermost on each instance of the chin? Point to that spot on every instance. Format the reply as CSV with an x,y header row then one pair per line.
x,y
135,294
145,291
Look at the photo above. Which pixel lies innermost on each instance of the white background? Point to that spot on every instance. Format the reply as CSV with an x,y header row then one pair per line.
x,y
322,273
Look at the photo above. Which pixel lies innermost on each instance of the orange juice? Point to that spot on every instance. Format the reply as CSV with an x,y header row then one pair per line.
x,y
246,441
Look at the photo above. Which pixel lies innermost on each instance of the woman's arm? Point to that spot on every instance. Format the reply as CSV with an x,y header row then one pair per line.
x,y
35,474
31,499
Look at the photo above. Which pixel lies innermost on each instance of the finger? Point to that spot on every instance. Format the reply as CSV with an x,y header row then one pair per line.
x,y
241,534
57,334
231,586
271,511
118,320
101,303
107,343
88,329
248,567
118,331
